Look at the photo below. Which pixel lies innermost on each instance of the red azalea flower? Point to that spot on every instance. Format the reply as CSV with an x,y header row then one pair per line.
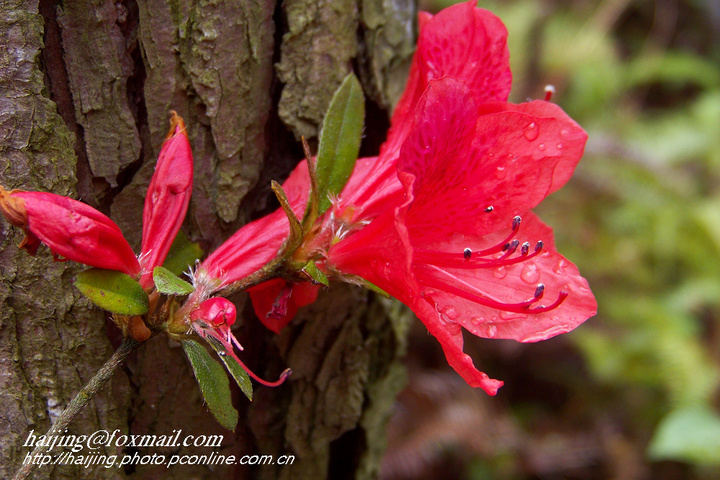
x,y
435,220
80,233
454,248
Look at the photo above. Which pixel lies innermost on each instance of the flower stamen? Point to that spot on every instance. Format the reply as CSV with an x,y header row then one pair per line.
x,y
469,292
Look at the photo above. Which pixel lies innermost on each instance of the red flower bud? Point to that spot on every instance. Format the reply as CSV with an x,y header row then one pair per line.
x,y
167,198
70,228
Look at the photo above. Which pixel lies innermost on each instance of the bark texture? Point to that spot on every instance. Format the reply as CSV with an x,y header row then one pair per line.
x,y
86,87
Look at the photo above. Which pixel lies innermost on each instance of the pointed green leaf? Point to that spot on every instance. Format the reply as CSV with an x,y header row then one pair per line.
x,y
113,291
340,139
183,254
168,283
214,384
239,374
236,370
314,274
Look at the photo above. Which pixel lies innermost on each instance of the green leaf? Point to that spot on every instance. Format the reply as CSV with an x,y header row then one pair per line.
x,y
239,374
183,253
340,139
113,291
214,384
314,274
168,283
236,370
690,434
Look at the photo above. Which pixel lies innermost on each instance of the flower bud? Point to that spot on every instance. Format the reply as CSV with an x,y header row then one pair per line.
x,y
70,228
167,198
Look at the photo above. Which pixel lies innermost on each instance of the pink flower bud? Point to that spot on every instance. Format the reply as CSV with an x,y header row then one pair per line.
x,y
70,228
167,198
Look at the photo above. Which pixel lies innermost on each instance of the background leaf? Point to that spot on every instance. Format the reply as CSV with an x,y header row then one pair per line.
x,y
183,254
113,291
690,434
214,384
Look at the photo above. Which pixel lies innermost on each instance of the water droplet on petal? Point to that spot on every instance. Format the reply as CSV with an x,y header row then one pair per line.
x,y
428,291
477,321
501,172
451,313
505,315
530,273
453,328
559,146
541,147
491,330
531,132
500,272
559,267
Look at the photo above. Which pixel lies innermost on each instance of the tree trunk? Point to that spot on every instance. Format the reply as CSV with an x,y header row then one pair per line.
x,y
86,88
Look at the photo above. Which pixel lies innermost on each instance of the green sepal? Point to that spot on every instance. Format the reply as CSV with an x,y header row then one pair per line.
x,y
340,138
296,231
375,288
168,283
311,212
113,291
314,274
213,382
183,254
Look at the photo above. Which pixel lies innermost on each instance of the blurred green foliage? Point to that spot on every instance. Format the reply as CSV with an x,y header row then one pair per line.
x,y
641,217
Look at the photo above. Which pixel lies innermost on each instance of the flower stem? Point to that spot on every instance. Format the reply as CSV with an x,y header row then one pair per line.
x,y
269,271
81,399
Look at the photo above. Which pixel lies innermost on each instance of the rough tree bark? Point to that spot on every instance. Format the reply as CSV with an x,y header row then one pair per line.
x,y
86,87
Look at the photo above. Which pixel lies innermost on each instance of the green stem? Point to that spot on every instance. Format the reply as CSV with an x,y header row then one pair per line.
x,y
81,399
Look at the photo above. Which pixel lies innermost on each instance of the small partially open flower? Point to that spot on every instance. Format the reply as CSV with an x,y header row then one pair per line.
x,y
213,318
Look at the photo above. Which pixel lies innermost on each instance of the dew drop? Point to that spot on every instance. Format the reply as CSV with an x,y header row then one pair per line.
x,y
541,147
505,315
531,132
559,267
428,291
453,328
491,330
501,172
559,146
530,273
476,321
500,272
451,313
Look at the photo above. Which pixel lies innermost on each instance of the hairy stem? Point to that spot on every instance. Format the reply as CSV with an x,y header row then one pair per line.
x,y
81,399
